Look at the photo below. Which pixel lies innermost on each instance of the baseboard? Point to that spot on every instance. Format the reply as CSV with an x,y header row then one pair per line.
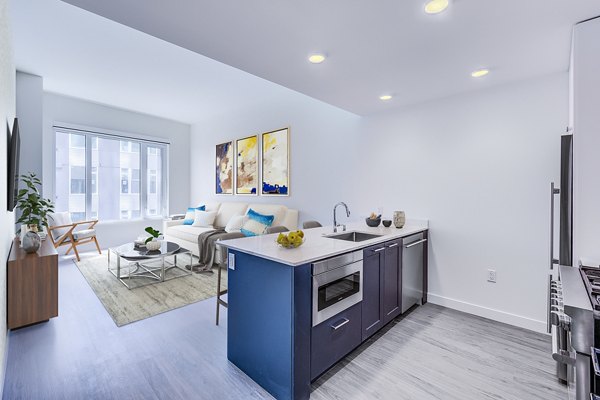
x,y
496,315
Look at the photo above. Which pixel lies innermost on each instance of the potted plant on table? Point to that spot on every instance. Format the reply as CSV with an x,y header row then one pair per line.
x,y
153,243
34,211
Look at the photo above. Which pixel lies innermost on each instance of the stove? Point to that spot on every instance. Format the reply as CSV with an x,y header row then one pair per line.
x,y
576,327
591,280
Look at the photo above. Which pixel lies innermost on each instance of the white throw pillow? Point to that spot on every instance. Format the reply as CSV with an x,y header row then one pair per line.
x,y
204,218
235,223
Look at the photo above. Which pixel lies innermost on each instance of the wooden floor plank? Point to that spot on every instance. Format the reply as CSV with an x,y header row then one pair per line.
x,y
433,353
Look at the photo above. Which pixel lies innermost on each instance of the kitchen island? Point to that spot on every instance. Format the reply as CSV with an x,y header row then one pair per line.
x,y
284,329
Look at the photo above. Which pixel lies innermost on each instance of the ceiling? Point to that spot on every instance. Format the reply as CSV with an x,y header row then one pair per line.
x,y
83,55
373,48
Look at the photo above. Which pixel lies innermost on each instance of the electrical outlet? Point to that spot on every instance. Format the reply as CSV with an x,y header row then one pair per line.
x,y
491,275
231,263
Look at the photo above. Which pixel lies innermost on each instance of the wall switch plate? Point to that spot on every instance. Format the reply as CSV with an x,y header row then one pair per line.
x,y
491,275
231,262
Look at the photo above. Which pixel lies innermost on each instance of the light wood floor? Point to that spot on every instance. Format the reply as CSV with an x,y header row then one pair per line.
x,y
434,353
439,353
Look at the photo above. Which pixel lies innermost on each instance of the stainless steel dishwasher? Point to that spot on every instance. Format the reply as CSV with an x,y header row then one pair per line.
x,y
412,270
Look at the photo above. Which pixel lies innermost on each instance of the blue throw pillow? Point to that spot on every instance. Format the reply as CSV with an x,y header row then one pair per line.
x,y
256,223
191,214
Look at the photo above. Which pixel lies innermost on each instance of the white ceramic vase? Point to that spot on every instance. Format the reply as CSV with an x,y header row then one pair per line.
x,y
399,219
154,245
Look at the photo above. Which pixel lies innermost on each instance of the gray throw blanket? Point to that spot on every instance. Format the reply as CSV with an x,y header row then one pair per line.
x,y
206,248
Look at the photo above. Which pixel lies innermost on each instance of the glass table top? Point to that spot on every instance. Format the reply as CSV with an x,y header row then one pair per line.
x,y
130,251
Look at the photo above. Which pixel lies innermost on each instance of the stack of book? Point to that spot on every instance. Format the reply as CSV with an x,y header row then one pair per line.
x,y
140,243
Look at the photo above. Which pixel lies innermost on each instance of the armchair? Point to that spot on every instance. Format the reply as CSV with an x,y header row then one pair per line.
x,y
64,232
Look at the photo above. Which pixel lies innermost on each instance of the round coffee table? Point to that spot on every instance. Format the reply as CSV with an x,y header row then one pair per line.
x,y
144,263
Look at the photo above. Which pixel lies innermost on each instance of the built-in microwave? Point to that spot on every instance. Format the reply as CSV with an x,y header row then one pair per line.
x,y
337,285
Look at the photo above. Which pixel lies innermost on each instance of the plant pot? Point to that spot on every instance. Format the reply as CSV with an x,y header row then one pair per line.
x,y
154,245
31,242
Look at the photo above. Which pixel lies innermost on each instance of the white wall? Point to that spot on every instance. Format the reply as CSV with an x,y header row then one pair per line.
x,y
476,165
29,110
324,142
586,143
62,109
7,113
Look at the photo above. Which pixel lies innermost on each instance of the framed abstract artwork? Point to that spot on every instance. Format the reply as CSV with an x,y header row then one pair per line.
x,y
276,163
224,168
247,166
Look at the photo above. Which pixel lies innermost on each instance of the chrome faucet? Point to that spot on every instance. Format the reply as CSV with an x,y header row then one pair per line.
x,y
335,224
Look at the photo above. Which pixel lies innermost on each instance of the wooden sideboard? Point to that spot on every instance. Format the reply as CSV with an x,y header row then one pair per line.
x,y
32,285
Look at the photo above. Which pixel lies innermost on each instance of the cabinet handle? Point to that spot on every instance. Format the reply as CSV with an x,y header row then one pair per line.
x,y
392,245
378,250
408,246
339,325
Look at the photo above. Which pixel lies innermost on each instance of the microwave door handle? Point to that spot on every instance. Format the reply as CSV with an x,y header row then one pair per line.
x,y
343,322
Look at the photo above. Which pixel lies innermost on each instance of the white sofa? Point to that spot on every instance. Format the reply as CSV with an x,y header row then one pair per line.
x,y
187,236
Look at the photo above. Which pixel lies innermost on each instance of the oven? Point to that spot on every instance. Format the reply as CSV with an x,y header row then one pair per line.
x,y
337,285
574,331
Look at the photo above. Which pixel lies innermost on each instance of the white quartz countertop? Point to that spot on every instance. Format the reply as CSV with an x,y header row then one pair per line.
x,y
317,246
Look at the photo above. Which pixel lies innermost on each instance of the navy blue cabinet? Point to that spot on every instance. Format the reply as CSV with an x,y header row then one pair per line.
x,y
373,277
388,290
382,285
333,339
392,280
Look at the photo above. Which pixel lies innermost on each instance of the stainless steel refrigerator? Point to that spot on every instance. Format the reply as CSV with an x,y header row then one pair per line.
x,y
564,193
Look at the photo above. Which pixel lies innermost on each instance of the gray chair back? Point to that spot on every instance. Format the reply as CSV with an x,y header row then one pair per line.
x,y
311,224
276,229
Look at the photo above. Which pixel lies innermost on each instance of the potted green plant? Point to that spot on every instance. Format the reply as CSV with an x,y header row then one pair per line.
x,y
34,211
153,242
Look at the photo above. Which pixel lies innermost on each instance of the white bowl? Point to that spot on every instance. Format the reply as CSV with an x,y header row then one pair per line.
x,y
153,245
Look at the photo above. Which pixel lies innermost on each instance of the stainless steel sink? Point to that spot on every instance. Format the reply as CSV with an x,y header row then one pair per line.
x,y
353,236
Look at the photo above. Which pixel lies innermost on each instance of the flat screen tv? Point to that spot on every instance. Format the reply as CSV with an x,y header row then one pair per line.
x,y
14,150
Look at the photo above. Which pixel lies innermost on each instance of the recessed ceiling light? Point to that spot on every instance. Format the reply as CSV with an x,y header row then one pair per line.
x,y
436,6
316,58
480,73
385,97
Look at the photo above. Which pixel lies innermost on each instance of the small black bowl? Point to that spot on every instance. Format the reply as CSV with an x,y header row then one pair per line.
x,y
387,223
373,223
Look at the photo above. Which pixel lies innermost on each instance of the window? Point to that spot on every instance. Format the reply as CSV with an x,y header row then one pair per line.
x,y
109,178
135,181
77,141
94,184
77,216
155,183
152,181
77,180
124,180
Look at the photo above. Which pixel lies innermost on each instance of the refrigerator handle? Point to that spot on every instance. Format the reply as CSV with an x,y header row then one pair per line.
x,y
553,192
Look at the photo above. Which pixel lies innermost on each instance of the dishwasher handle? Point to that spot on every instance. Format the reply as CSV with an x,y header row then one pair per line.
x,y
415,243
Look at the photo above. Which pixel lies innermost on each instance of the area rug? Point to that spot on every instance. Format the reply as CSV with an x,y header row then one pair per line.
x,y
126,306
